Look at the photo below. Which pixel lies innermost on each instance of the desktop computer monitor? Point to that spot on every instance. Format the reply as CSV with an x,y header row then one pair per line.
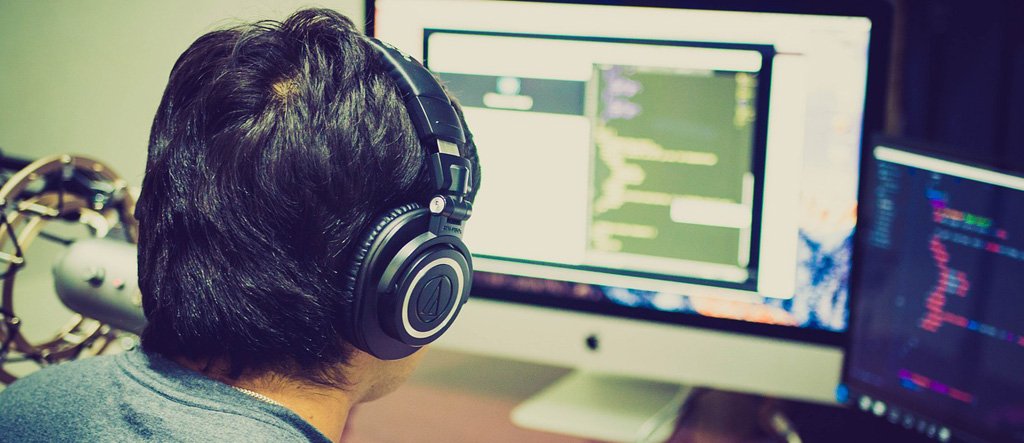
x,y
669,189
937,337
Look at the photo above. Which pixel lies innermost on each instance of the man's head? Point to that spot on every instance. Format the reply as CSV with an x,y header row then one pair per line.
x,y
274,146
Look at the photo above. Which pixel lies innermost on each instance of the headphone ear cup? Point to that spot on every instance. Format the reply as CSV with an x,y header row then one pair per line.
x,y
429,293
351,321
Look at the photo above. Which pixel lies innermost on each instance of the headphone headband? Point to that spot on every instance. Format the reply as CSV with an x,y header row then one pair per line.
x,y
429,107
440,129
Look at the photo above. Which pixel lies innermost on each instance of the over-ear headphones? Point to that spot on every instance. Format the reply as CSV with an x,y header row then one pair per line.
x,y
411,272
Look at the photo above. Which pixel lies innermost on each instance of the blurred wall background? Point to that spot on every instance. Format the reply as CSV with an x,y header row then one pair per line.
x,y
958,78
86,77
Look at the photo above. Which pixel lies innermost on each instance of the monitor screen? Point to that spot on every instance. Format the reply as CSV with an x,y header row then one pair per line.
x,y
656,162
937,343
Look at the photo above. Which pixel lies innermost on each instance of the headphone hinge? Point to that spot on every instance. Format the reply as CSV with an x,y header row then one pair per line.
x,y
450,207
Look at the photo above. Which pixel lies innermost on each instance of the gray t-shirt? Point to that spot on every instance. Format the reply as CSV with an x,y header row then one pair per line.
x,y
139,396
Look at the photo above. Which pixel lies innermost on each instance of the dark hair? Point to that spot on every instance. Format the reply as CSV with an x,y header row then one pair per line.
x,y
274,146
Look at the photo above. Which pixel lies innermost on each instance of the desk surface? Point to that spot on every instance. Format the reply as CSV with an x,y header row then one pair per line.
x,y
456,397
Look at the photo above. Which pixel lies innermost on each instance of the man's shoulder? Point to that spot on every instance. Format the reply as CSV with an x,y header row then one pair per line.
x,y
74,378
56,397
133,397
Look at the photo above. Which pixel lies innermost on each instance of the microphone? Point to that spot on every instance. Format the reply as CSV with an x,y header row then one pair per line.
x,y
98,278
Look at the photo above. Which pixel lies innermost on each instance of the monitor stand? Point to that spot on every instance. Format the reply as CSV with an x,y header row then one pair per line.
x,y
604,407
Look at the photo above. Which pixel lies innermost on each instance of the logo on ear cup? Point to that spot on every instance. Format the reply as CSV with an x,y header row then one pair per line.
x,y
434,299
433,293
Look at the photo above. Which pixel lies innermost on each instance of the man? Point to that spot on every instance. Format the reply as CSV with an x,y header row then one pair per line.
x,y
274,147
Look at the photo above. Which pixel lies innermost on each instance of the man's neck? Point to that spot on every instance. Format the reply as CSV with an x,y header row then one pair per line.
x,y
325,408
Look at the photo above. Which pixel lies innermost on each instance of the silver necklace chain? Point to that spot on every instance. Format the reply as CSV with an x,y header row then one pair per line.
x,y
257,396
